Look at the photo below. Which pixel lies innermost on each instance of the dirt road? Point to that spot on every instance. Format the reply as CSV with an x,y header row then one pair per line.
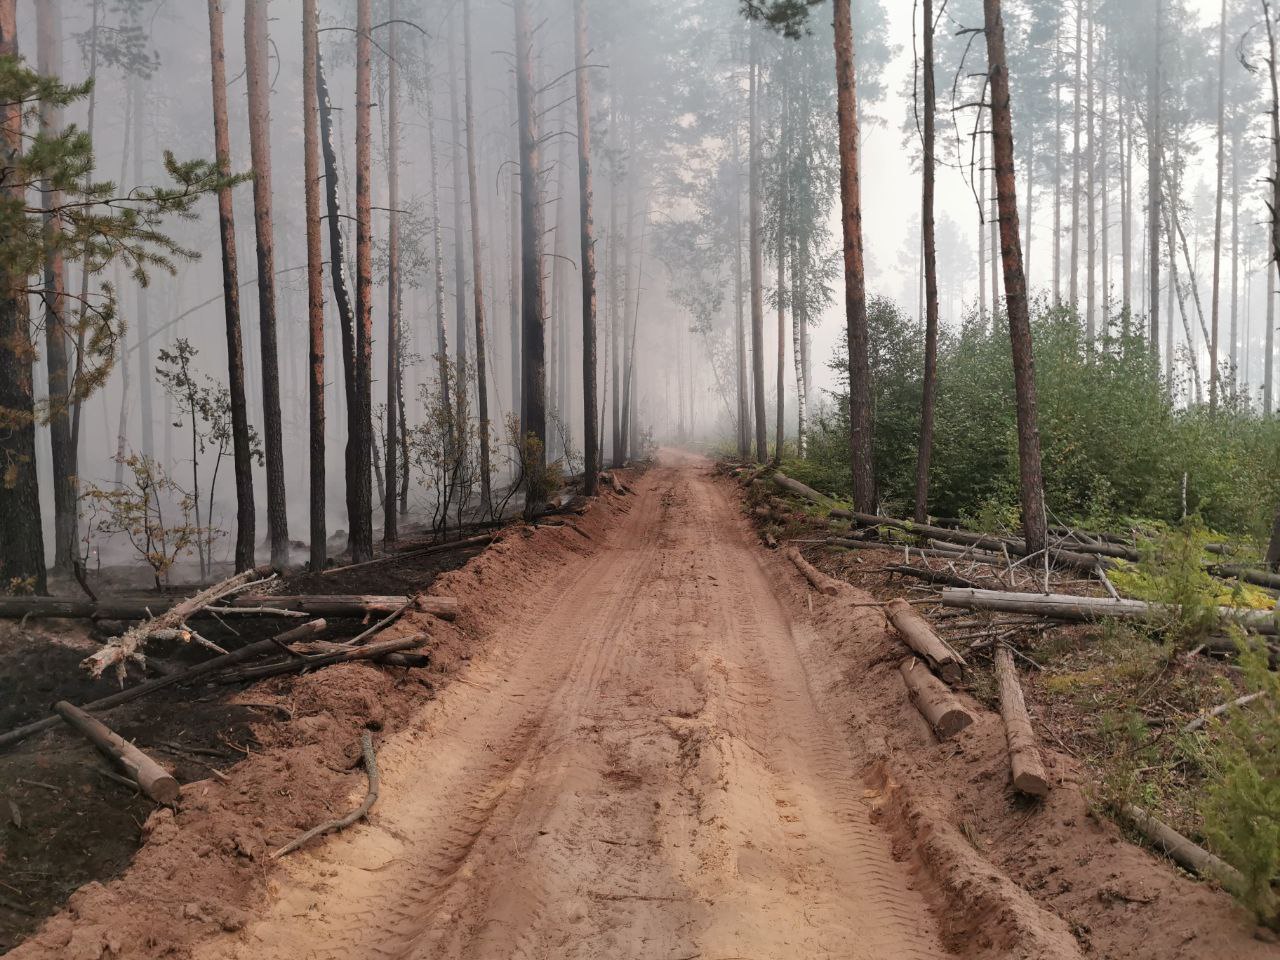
x,y
641,772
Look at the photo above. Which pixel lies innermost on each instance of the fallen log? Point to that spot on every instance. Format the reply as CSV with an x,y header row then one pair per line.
x,y
1024,756
801,489
389,659
270,605
1222,708
359,813
929,575
152,779
935,702
482,540
1259,578
919,636
119,652
248,652
820,581
370,652
1061,606
1182,851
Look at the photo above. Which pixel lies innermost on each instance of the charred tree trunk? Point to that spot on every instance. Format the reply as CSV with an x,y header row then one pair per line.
x,y
391,443
482,376
783,213
362,439
457,162
860,441
255,45
241,455
929,387
146,415
49,53
757,267
1015,285
533,312
315,283
586,202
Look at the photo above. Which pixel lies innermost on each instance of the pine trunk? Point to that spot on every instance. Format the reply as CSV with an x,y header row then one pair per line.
x,y
1153,195
255,45
146,373
1091,234
533,332
1031,478
739,328
1214,295
391,442
754,227
473,189
781,241
362,439
241,455
860,440
1273,548
586,201
49,53
315,283
929,386
1075,164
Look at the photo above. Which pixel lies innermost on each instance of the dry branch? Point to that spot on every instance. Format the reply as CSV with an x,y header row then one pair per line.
x,y
934,701
191,673
359,813
1024,756
482,540
152,779
919,636
371,652
1181,850
1222,708
119,652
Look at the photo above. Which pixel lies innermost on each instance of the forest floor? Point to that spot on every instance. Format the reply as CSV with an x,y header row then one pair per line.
x,y
644,736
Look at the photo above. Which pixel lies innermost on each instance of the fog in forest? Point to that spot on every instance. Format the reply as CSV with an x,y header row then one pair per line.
x,y
673,88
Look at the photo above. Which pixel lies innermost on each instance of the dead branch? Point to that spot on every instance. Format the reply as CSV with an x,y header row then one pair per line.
x,y
359,813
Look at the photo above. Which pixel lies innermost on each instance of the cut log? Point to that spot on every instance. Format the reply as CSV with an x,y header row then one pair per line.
x,y
370,652
919,636
152,779
800,489
935,702
119,652
1024,755
1259,578
929,575
1182,851
820,581
1060,606
1222,708
167,608
245,653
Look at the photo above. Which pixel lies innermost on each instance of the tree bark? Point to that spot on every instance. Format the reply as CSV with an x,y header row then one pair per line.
x,y
241,455
255,45
1057,161
1091,234
152,779
739,328
146,372
362,439
929,383
862,464
1015,284
917,634
458,164
1214,305
935,702
1024,756
49,54
1273,546
1153,194
391,443
982,227
1075,161
315,283
754,227
533,312
781,241
586,201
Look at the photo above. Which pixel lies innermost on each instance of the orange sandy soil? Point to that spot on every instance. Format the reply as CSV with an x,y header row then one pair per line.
x,y
645,736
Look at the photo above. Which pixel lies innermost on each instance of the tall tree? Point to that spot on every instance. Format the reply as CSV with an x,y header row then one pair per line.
x,y
241,453
362,440
781,258
929,386
255,45
1034,525
754,228
315,281
391,442
49,54
482,377
1153,193
533,427
855,289
582,90
1075,160
1215,298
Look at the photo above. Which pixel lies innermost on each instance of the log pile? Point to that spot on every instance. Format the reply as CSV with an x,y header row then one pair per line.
x,y
919,636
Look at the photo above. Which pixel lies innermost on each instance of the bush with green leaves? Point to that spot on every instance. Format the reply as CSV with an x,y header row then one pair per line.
x,y
1115,444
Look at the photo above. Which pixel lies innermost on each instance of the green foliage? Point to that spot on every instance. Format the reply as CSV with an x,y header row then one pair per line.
x,y
1115,446
1242,805
444,448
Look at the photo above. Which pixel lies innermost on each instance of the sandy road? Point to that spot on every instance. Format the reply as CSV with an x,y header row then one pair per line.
x,y
640,770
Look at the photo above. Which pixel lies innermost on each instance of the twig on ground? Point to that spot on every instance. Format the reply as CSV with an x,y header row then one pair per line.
x,y
359,813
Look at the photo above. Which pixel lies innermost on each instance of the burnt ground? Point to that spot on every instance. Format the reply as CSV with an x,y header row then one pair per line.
x,y
63,821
